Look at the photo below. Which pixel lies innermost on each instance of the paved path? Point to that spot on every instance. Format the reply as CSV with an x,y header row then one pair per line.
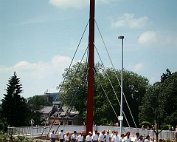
x,y
39,140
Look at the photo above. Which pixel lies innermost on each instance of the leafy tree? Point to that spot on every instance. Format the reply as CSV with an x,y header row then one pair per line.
x,y
165,75
74,92
151,109
169,99
135,87
159,105
37,102
3,123
74,88
148,106
14,107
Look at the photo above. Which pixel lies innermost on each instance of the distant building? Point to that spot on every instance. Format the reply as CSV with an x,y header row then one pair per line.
x,y
52,97
59,114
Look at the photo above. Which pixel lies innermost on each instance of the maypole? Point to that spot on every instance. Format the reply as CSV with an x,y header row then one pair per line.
x,y
90,95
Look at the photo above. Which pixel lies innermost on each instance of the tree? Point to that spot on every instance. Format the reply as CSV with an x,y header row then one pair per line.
x,y
151,109
73,89
35,103
14,107
135,87
165,75
169,98
74,92
3,123
159,103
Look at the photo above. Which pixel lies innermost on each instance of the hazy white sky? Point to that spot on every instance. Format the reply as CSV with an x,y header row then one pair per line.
x,y
39,37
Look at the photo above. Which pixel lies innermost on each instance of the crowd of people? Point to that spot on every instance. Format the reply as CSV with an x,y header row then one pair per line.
x,y
103,136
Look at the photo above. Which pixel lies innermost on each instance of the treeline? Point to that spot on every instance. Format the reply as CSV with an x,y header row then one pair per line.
x,y
143,103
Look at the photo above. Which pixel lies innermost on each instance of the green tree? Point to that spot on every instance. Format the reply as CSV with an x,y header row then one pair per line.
x,y
35,103
73,89
135,87
3,123
14,107
164,76
151,110
159,105
169,99
74,92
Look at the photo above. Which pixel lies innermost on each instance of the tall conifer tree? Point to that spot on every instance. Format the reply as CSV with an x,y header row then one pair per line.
x,y
14,107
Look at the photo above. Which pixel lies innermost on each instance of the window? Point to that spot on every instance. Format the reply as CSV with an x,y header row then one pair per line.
x,y
69,122
61,122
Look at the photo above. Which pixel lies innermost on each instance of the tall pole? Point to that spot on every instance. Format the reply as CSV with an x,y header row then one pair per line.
x,y
121,99
90,95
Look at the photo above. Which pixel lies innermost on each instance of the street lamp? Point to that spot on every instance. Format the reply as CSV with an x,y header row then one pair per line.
x,y
121,99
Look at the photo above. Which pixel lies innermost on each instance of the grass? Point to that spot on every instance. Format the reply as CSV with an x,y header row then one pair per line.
x,y
7,138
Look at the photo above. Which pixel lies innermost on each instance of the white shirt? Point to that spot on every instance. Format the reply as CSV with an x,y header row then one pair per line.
x,y
122,139
146,140
101,137
52,135
74,136
126,139
88,138
80,138
66,137
115,138
108,137
61,135
95,137
140,140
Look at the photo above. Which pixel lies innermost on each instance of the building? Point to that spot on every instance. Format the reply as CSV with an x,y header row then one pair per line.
x,y
58,113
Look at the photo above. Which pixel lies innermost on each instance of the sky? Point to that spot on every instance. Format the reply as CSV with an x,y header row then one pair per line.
x,y
38,39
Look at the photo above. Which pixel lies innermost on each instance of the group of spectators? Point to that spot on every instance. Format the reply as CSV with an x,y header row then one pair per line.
x,y
107,136
103,136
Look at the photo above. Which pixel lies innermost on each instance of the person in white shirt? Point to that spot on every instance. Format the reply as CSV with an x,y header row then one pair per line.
x,y
108,136
61,136
89,137
115,137
74,136
140,139
127,137
147,139
113,133
66,137
137,137
122,138
95,136
102,137
80,137
52,136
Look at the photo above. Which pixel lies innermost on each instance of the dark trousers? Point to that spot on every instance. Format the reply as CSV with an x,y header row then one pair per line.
x,y
61,140
52,139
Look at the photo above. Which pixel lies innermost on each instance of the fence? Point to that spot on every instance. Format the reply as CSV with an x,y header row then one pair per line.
x,y
41,130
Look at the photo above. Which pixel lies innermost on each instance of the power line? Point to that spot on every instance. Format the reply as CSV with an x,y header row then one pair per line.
x,y
112,86
114,72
